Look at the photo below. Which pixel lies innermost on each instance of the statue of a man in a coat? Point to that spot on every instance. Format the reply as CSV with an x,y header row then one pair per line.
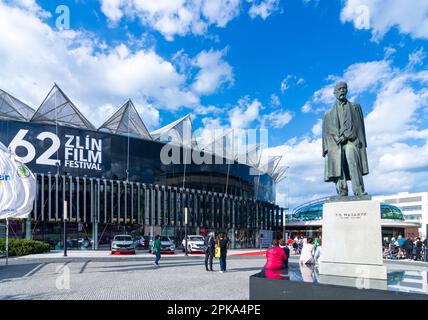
x,y
344,144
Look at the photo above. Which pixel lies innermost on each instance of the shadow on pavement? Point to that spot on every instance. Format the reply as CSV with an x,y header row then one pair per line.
x,y
148,267
19,270
243,269
24,297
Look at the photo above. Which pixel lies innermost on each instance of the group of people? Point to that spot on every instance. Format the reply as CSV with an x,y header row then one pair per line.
x,y
213,244
219,243
410,248
298,242
277,256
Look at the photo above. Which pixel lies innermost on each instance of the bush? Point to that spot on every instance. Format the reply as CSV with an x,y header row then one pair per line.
x,y
22,247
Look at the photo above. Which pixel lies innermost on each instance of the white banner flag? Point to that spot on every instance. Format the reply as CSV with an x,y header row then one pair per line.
x,y
17,186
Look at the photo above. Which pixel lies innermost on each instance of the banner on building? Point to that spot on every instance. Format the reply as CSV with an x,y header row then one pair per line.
x,y
17,186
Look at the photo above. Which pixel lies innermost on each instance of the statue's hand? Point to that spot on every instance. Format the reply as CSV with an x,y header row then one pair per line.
x,y
341,140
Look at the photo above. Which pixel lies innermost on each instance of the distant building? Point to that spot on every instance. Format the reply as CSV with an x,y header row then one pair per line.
x,y
307,219
413,205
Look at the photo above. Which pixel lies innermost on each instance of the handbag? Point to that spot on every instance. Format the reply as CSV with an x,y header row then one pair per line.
x,y
217,250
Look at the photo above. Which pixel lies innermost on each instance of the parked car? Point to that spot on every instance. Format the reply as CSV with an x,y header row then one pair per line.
x,y
141,242
167,245
85,243
195,243
123,243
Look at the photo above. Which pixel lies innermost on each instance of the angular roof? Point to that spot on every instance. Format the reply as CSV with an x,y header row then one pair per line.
x,y
251,156
177,132
126,121
222,146
271,165
58,108
279,174
14,109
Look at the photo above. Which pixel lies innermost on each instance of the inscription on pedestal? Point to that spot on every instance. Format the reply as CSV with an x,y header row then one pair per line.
x,y
352,239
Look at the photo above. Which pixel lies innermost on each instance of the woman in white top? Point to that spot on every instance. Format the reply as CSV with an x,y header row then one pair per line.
x,y
307,255
318,252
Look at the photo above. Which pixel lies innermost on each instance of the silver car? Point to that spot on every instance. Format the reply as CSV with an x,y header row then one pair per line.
x,y
123,244
167,245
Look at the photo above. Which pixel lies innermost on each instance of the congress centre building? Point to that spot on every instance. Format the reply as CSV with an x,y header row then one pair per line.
x,y
111,180
306,220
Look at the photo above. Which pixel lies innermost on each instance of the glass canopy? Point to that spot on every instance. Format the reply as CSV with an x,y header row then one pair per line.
x,y
14,109
177,132
57,108
126,121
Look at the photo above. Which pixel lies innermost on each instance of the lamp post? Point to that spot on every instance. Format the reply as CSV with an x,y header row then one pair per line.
x,y
185,230
7,241
65,228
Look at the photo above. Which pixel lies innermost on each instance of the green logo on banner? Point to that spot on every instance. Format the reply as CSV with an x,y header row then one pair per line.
x,y
23,172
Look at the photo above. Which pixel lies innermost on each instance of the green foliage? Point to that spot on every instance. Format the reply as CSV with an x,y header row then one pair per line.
x,y
22,247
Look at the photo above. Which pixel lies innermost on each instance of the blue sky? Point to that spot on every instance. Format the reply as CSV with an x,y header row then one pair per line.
x,y
238,64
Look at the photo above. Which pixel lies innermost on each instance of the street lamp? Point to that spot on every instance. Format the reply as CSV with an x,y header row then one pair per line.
x,y
65,228
185,230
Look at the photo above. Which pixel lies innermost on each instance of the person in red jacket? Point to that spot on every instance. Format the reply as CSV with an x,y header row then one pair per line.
x,y
275,256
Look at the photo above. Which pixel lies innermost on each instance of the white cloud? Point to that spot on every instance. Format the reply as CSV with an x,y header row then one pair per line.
x,y
416,58
361,77
172,18
277,119
300,81
389,52
396,131
245,113
93,74
393,116
274,100
214,72
220,12
112,9
205,110
285,83
305,174
306,108
263,8
409,17
289,81
317,128
212,128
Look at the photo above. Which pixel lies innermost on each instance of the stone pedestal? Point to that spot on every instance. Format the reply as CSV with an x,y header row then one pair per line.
x,y
352,240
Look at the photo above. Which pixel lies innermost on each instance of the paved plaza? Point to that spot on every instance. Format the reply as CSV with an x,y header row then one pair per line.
x,y
125,277
98,275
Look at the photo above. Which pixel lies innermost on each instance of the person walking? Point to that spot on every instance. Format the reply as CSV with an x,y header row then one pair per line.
x,y
283,245
223,243
157,250
210,251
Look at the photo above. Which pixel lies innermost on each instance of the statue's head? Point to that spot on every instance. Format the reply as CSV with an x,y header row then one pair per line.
x,y
341,90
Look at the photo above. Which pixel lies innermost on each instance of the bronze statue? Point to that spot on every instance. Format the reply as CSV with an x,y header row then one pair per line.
x,y
344,144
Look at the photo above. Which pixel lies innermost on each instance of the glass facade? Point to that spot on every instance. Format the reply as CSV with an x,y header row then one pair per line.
x,y
114,184
313,211
109,207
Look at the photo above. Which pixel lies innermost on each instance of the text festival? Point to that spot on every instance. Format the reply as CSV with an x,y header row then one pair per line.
x,y
85,154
